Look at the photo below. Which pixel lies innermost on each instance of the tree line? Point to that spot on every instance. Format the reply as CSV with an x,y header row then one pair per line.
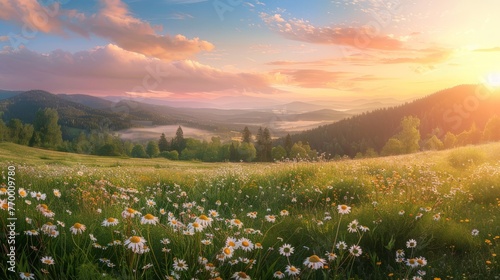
x,y
45,132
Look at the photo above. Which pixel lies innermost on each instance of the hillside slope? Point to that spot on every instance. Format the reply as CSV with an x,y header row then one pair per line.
x,y
454,110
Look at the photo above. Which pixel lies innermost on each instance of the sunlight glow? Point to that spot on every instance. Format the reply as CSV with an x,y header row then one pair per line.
x,y
493,79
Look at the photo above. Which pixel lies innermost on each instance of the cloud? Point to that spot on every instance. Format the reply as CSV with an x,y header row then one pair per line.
x,y
4,38
311,78
495,49
433,56
113,70
113,21
357,37
180,16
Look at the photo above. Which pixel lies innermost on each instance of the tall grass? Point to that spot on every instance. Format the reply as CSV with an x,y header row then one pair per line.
x,y
448,205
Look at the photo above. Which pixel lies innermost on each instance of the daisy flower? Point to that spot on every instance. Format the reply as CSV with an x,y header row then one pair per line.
x,y
136,244
227,252
331,256
204,221
292,270
314,262
236,223
412,262
245,244
26,275
130,213
412,243
77,228
279,275
475,232
401,212
252,215
341,245
149,220
57,193
355,250
284,213
270,218
4,204
197,227
421,261
38,195
109,222
212,213
353,226
22,192
241,276
48,260
31,232
344,209
231,242
180,265
286,250
150,203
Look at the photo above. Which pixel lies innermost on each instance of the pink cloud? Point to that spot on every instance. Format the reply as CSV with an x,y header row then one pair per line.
x,y
311,78
357,37
113,21
113,70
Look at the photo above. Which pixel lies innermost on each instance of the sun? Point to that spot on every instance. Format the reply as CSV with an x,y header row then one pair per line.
x,y
493,79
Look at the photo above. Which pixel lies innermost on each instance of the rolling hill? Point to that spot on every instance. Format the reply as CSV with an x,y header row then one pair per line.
x,y
455,110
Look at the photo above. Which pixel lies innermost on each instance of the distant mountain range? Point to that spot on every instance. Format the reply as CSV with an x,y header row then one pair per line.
x,y
79,112
455,110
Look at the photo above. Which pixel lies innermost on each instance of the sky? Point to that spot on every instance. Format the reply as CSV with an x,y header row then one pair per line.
x,y
279,49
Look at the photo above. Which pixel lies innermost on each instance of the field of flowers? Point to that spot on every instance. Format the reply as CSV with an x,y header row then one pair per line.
x,y
423,216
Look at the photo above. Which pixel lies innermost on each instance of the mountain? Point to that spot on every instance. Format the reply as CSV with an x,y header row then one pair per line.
x,y
455,110
4,94
24,106
87,100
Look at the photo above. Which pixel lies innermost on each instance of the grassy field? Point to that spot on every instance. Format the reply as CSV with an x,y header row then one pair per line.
x,y
431,215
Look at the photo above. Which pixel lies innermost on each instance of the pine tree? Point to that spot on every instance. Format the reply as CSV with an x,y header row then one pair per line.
x,y
179,143
246,135
163,144
288,144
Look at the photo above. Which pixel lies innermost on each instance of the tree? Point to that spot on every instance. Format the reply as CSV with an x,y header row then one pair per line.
x,y
278,153
163,143
139,152
393,147
108,150
247,152
172,155
288,144
492,129
179,143
152,149
434,143
298,151
410,135
4,131
264,145
49,132
246,135
233,152
450,140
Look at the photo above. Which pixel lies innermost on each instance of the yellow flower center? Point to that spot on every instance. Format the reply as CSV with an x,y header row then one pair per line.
x,y
3,190
227,251
236,221
343,207
130,210
314,259
245,243
203,217
135,239
5,206
77,225
231,244
149,217
242,274
293,269
111,220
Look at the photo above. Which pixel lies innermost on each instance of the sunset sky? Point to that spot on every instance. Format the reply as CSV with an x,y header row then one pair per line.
x,y
280,49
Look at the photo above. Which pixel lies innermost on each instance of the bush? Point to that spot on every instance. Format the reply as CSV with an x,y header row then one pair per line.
x,y
172,155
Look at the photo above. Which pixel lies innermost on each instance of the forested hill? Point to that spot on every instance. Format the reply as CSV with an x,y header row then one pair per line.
x,y
24,106
455,109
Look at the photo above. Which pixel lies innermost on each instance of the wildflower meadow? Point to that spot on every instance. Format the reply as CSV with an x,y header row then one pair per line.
x,y
431,215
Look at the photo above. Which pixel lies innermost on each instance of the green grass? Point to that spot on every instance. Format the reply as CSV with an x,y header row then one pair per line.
x,y
435,198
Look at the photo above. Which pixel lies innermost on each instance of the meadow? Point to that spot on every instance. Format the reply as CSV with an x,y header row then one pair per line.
x,y
430,215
